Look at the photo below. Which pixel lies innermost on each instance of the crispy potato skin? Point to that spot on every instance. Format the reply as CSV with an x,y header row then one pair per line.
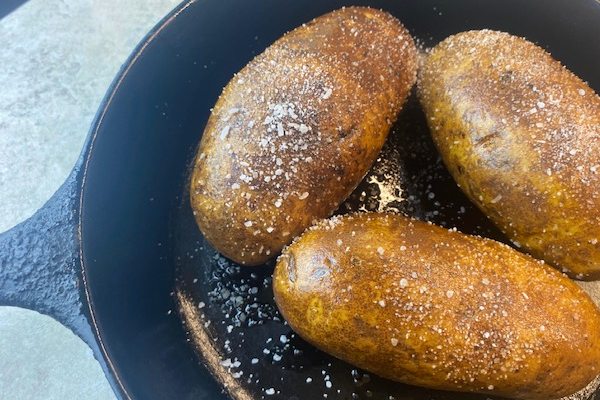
x,y
295,130
419,304
521,135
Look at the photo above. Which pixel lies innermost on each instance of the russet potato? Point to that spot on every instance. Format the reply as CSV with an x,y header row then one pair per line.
x,y
419,304
520,134
296,130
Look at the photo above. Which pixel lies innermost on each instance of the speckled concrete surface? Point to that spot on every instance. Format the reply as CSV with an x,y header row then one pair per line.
x,y
56,61
41,359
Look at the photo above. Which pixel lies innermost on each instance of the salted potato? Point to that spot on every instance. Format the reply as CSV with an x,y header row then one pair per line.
x,y
423,305
521,135
295,130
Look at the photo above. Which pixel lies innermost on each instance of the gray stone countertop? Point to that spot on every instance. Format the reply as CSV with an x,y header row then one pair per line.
x,y
57,59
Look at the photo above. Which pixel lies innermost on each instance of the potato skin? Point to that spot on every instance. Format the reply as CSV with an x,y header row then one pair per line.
x,y
521,135
295,131
423,305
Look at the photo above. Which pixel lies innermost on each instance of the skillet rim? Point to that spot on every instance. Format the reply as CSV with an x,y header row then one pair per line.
x,y
85,157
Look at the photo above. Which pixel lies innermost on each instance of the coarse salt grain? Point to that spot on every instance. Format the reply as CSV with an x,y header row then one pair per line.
x,y
224,132
304,128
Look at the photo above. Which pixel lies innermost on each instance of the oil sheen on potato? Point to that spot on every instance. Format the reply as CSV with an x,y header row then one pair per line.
x,y
296,130
520,134
419,304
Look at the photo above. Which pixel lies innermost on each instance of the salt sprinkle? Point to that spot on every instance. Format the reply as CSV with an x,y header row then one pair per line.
x,y
327,94
303,128
224,132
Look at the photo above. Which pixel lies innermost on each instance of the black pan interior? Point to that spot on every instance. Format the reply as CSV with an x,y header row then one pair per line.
x,y
166,304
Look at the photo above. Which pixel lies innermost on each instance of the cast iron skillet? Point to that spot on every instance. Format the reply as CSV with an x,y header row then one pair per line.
x,y
116,256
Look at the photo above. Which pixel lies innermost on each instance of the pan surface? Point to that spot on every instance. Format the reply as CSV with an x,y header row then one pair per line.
x,y
168,308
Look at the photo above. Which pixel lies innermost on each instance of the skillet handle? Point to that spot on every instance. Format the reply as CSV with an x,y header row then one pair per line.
x,y
39,262
40,268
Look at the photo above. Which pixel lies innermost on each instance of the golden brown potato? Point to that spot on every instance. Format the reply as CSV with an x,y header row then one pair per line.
x,y
296,130
521,136
419,304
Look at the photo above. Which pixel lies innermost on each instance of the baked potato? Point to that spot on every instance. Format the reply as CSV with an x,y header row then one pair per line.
x,y
295,130
420,304
520,134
